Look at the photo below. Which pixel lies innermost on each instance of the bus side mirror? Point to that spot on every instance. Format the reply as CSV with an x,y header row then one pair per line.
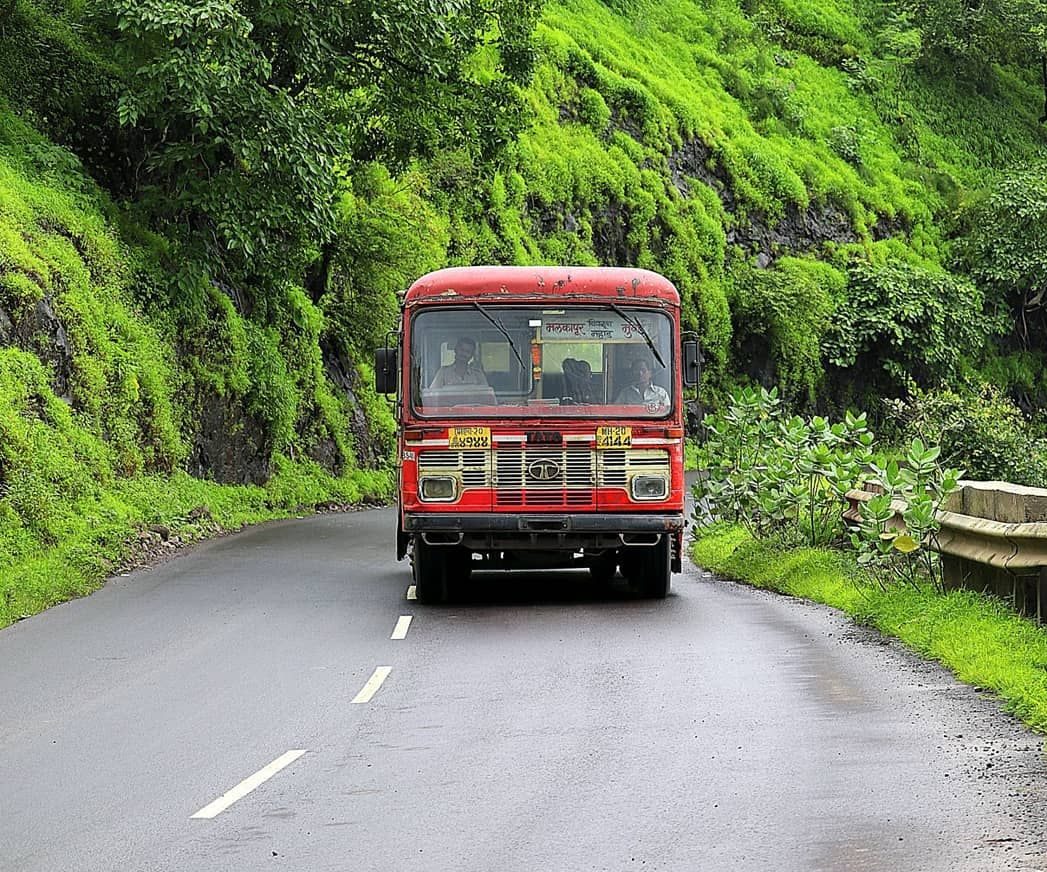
x,y
385,370
692,363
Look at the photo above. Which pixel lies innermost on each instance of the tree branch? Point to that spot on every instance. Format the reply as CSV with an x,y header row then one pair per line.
x,y
1043,67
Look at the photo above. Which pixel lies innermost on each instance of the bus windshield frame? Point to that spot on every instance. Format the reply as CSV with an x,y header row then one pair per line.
x,y
539,360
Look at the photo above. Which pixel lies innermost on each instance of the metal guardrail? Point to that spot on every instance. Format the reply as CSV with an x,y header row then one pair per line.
x,y
993,539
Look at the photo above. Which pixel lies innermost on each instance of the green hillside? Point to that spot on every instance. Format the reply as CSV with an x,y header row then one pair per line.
x,y
759,174
100,393
204,225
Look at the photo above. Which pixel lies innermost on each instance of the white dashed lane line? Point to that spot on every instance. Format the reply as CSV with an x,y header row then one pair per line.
x,y
373,683
401,628
248,784
367,692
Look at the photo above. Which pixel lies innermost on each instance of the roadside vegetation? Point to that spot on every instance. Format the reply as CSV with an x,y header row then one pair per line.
x,y
770,513
95,408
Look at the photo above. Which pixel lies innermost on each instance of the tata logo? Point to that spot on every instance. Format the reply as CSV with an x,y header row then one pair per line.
x,y
544,437
543,470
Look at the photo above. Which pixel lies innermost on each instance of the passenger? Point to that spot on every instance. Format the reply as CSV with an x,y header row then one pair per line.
x,y
462,371
642,391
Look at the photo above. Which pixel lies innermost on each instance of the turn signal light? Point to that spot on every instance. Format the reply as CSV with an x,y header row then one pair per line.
x,y
419,435
666,432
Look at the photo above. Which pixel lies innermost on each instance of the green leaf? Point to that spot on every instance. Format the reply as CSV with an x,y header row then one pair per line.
x,y
905,543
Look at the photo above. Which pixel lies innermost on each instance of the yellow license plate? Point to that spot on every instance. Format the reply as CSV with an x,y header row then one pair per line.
x,y
469,437
614,437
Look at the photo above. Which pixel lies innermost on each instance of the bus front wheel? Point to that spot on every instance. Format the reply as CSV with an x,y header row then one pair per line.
x,y
430,572
650,568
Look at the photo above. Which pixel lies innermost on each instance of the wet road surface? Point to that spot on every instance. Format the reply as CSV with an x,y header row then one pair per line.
x,y
264,702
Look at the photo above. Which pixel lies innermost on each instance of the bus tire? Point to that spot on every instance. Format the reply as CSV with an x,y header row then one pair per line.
x,y
658,570
430,572
458,569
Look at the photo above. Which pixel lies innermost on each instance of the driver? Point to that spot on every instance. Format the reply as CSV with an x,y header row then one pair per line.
x,y
642,390
462,371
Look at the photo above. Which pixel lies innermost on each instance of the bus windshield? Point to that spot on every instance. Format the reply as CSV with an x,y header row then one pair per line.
x,y
534,361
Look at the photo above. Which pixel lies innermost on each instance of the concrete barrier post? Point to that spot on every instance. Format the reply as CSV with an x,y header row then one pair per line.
x,y
993,539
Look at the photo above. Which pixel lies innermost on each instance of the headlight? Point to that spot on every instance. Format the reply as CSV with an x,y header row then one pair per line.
x,y
433,487
650,487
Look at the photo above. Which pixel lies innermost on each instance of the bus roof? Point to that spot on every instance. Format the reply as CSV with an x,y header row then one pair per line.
x,y
541,283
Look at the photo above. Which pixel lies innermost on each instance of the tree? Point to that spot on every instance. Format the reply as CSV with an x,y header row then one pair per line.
x,y
252,110
979,33
1004,249
901,324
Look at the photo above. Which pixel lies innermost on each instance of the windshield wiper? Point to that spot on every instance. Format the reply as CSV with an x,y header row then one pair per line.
x,y
505,333
644,333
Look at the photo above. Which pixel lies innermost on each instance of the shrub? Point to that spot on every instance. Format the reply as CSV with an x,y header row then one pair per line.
x,y
978,429
846,141
781,314
904,323
1022,375
1005,250
593,110
790,478
913,491
782,476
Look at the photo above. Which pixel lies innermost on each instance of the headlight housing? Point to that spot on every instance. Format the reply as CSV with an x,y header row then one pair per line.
x,y
649,487
438,488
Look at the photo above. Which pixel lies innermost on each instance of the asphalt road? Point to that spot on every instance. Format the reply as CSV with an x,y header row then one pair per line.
x,y
542,724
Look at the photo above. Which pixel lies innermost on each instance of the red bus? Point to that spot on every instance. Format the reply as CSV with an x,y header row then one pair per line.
x,y
540,416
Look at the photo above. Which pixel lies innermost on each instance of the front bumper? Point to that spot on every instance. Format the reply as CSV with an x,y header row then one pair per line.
x,y
543,523
545,532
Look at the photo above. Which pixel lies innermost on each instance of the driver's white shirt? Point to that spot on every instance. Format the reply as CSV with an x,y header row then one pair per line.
x,y
652,394
449,375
